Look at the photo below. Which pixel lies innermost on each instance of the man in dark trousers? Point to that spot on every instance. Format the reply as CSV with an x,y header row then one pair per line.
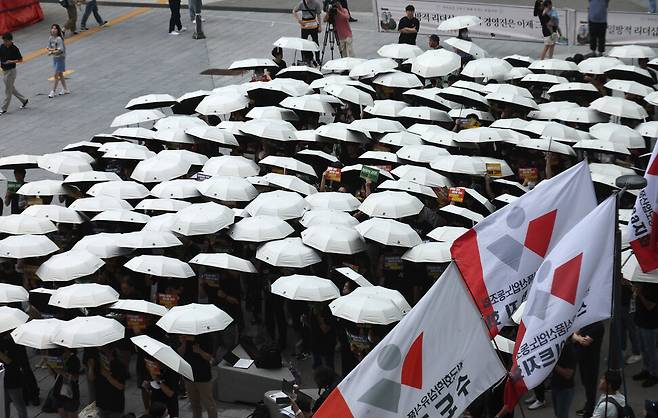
x,y
408,27
597,17
10,55
588,341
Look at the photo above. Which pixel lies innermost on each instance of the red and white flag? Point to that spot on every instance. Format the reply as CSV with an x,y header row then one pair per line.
x,y
435,362
499,256
572,289
643,225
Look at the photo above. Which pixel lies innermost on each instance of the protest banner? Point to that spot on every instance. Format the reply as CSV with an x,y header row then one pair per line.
x,y
332,174
456,194
369,173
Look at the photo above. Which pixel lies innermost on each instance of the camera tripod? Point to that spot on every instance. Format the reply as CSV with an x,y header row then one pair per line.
x,y
330,38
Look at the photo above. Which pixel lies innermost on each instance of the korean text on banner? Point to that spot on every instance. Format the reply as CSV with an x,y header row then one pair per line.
x,y
643,225
435,362
500,21
572,289
623,28
499,256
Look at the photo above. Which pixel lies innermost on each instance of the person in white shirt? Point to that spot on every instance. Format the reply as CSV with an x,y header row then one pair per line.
x,y
612,400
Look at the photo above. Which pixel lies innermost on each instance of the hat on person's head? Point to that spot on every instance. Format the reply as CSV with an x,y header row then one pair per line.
x,y
652,408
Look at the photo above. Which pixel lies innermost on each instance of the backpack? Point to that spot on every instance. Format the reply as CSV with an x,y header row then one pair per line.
x,y
622,411
269,357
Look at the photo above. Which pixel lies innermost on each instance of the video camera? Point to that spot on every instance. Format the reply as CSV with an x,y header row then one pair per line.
x,y
330,8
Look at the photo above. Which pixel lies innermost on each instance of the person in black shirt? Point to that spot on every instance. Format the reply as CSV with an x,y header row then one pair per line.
x,y
10,55
162,384
543,12
646,319
110,376
562,381
408,27
10,358
66,390
197,350
588,347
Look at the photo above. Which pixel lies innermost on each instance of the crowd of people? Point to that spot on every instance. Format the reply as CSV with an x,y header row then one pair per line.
x,y
429,155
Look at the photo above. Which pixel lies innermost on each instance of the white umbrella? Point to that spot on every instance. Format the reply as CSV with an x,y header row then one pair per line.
x,y
229,165
162,205
291,183
607,173
621,134
297,44
23,161
54,213
89,331
213,134
91,177
467,47
327,216
10,293
288,252
194,158
334,201
334,239
158,169
512,99
135,117
134,133
447,233
508,89
630,72
459,164
103,245
407,186
652,98
161,266
341,64
459,22
389,232
385,108
648,129
11,318
547,145
216,104
429,252
130,153
580,115
121,215
421,175
251,63
83,295
629,87
463,212
224,261
24,224
164,354
424,113
148,239
161,223
421,153
554,64
178,122
598,65
305,288
543,79
176,189
227,188
99,204
300,72
272,112
151,101
69,265
400,139
490,68
366,309
42,188
320,154
380,156
372,67
506,198
349,94
26,246
429,96
482,135
354,276
260,228
465,97
284,204
288,163
440,136
470,85
119,189
463,113
65,162
173,135
202,219
308,103
340,131
399,51
632,52
390,204
37,333
603,146
194,319
376,125
398,79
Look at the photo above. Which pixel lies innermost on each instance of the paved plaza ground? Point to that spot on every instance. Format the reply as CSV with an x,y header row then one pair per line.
x,y
134,55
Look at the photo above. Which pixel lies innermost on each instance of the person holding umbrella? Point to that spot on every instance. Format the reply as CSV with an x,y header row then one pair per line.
x,y
197,350
109,378
162,384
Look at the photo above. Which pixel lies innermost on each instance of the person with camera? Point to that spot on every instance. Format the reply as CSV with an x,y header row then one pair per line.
x,y
310,20
339,15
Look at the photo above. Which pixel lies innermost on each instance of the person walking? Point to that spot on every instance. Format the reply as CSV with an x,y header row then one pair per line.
x,y
174,19
72,13
543,11
646,319
10,55
597,17
57,49
310,20
91,6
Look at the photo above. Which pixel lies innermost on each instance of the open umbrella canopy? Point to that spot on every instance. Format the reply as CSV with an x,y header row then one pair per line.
x,y
389,204
158,169
231,165
194,319
547,145
300,72
42,188
399,51
334,201
407,186
632,51
467,47
10,293
54,213
333,239
202,219
284,204
260,228
583,115
463,213
291,183
272,112
340,65
385,108
161,266
23,161
624,135
252,63
288,252
597,65
83,295
148,239
389,232
11,318
162,205
26,246
37,333
65,162
371,305
603,146
372,67
176,189
349,94
327,216
296,44
629,87
421,175
151,101
288,164
133,133
88,331
164,354
213,134
99,204
422,154
446,233
648,129
464,97
228,189
342,132
90,177
553,65
121,215
224,261
103,245
398,79
630,72
429,252
25,224
459,22
376,125
136,117
424,113
608,173
305,288
68,266
119,189
400,139
459,164
489,68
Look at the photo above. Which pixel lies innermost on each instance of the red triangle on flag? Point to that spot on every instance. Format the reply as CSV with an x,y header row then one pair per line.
x,y
334,406
412,368
565,279
540,231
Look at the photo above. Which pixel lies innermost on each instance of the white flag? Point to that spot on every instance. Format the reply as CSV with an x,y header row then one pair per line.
x,y
499,256
435,362
572,289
